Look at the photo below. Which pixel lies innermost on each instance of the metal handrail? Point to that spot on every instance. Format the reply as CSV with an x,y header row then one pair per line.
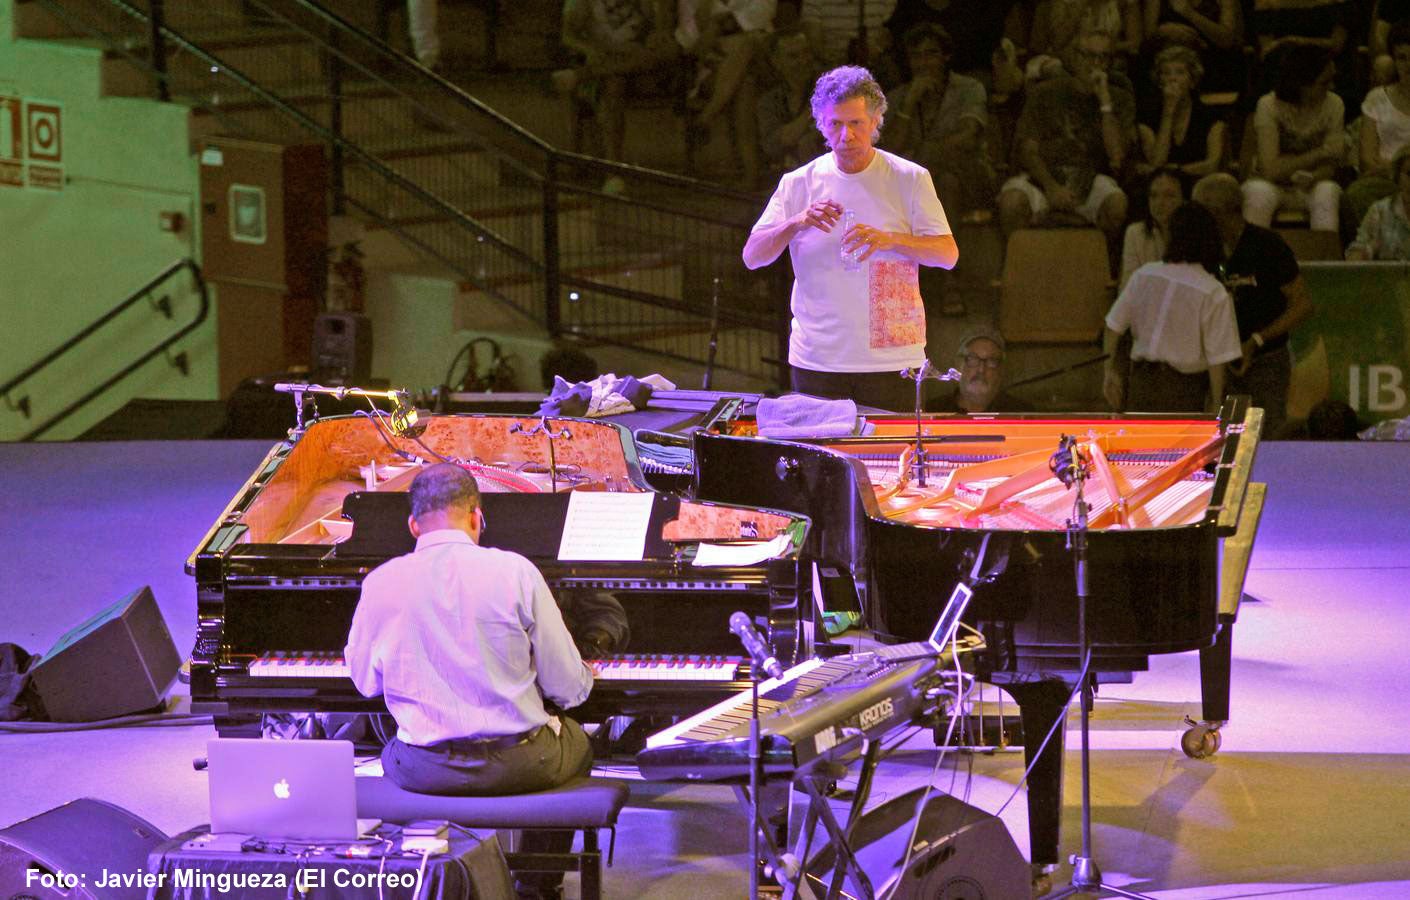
x,y
140,294
501,261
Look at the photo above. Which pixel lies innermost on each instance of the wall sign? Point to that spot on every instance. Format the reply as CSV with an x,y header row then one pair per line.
x,y
44,126
11,142
31,143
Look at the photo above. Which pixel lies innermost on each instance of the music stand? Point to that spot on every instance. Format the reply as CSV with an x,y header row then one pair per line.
x,y
1071,469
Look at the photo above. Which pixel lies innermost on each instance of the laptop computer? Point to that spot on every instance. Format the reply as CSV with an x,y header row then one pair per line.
x,y
940,636
293,790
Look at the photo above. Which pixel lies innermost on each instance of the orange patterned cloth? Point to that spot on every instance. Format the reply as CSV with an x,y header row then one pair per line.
x,y
897,317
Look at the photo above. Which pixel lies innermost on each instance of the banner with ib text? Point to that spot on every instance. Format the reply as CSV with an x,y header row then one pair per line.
x,y
1356,347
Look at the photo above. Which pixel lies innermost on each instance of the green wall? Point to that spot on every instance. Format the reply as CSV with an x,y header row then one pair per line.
x,y
68,256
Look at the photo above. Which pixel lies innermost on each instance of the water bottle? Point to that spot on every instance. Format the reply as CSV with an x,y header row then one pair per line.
x,y
850,262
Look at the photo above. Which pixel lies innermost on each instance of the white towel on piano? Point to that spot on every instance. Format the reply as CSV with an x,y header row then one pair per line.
x,y
804,416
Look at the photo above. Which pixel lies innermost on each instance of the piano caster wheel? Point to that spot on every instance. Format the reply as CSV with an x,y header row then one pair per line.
x,y
1042,881
1201,740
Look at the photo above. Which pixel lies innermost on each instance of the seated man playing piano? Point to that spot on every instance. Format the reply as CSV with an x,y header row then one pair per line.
x,y
465,643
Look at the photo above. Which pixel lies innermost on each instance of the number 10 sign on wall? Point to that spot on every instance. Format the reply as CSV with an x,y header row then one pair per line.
x,y
31,144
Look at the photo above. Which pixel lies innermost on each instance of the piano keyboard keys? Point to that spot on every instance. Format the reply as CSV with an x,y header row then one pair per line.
x,y
665,667
630,667
734,712
300,665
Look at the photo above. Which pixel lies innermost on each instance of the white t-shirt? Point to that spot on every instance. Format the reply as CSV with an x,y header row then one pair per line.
x,y
869,320
1178,314
1392,125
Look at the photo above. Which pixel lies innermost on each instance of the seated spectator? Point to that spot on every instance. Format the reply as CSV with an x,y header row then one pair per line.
x,y
980,359
1057,23
1385,127
1075,130
1212,28
1146,240
975,29
1385,231
1299,128
1281,25
1384,17
726,37
787,133
616,39
832,29
938,120
1179,130
1332,420
1181,321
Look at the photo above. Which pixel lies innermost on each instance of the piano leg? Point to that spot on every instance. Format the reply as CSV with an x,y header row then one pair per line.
x,y
1040,705
1215,667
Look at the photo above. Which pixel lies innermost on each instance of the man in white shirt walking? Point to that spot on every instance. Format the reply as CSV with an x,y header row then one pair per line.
x,y
1181,322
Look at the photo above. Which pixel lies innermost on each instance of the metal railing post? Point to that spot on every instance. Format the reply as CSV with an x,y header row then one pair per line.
x,y
336,159
553,321
156,22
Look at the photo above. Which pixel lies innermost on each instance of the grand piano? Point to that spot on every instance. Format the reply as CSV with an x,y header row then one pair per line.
x,y
279,573
1166,494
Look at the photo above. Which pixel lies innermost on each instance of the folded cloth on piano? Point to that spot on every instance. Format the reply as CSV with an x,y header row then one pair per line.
x,y
605,395
804,416
671,458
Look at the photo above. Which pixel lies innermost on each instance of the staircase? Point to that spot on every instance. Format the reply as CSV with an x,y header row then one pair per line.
x,y
446,184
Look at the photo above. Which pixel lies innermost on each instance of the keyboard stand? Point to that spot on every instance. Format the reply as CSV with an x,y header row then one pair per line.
x,y
788,871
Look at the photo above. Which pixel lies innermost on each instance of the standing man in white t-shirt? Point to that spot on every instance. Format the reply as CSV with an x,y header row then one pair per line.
x,y
854,328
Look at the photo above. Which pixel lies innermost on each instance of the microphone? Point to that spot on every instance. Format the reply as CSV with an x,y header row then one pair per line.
x,y
1068,464
759,652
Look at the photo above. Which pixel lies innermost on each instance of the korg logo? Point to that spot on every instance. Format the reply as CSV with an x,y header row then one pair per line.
x,y
876,714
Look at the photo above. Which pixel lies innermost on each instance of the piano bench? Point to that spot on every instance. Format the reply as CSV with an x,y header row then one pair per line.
x,y
586,805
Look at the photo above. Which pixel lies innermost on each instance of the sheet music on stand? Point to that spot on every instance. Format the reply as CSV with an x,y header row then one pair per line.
x,y
606,525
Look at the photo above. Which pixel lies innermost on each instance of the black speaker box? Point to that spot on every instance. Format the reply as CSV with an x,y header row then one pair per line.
x,y
342,348
120,661
62,853
960,852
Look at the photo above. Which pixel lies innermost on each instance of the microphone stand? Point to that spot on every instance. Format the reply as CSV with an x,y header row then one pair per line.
x,y
921,373
1086,875
756,782
403,413
714,335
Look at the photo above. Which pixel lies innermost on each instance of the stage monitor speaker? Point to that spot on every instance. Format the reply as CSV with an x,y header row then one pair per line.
x,y
342,348
120,661
80,839
960,852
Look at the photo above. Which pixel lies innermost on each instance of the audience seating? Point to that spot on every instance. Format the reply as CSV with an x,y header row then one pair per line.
x,y
1308,244
1056,286
586,805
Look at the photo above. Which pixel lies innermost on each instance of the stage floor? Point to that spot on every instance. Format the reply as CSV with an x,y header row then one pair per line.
x,y
1310,795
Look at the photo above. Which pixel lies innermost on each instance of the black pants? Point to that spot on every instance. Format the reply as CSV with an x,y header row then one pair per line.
x,y
882,390
479,769
1158,387
1267,380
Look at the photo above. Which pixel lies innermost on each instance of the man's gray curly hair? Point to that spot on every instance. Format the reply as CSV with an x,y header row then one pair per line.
x,y
845,83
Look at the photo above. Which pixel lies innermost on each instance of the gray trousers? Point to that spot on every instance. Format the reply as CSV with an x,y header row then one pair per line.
x,y
477,769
